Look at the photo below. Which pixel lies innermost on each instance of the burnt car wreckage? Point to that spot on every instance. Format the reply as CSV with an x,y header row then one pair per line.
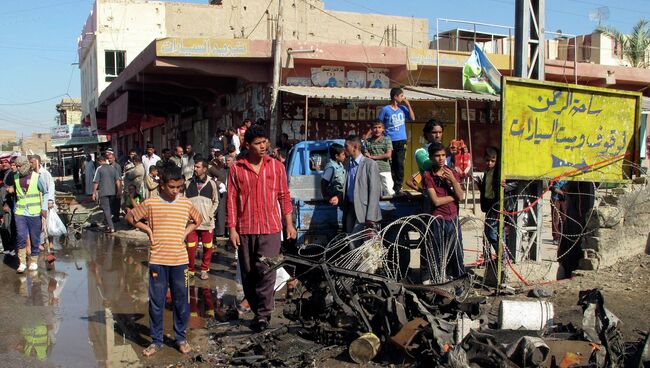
x,y
426,325
366,310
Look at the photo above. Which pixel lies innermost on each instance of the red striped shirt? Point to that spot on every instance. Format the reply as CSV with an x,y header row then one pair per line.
x,y
253,198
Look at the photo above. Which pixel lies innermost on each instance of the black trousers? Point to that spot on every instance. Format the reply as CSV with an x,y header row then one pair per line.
x,y
115,208
220,215
397,164
8,232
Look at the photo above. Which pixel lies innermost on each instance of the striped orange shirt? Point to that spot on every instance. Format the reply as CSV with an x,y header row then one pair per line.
x,y
168,221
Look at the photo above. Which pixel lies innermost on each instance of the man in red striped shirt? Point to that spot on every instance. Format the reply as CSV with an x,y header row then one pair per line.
x,y
257,186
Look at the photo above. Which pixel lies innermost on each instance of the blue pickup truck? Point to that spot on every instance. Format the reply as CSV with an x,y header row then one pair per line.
x,y
316,220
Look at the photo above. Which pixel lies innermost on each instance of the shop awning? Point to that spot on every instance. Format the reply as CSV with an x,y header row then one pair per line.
x,y
453,94
382,94
363,94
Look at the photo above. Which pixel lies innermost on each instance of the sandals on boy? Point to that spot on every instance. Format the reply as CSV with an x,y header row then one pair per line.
x,y
151,350
184,347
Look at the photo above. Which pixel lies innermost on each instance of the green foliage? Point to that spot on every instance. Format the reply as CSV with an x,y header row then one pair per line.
x,y
8,146
634,45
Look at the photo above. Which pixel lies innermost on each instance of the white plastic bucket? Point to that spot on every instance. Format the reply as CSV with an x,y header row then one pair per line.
x,y
525,314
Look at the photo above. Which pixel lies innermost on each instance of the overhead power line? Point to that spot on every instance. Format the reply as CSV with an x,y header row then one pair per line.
x,y
638,10
32,102
260,20
348,23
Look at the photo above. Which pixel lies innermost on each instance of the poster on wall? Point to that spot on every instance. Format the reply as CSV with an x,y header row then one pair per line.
x,y
353,114
299,81
316,112
362,113
376,113
472,114
295,129
328,76
356,79
345,114
373,113
378,78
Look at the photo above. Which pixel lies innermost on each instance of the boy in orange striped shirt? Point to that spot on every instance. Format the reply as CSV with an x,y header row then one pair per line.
x,y
169,218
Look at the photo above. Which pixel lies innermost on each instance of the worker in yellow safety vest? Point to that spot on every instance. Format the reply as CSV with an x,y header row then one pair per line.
x,y
36,341
31,204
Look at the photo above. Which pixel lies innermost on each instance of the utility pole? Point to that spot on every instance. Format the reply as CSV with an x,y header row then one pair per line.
x,y
277,70
529,63
529,39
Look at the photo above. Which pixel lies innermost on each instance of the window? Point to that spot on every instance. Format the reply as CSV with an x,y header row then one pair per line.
x,y
318,159
115,61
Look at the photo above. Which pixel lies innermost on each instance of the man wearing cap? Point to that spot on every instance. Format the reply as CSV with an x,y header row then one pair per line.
x,y
31,205
7,224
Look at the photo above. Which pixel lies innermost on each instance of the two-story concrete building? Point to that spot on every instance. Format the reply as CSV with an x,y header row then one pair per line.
x,y
117,31
206,74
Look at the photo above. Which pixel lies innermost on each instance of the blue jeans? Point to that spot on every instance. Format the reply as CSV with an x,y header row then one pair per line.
x,y
491,232
176,278
445,250
28,227
491,228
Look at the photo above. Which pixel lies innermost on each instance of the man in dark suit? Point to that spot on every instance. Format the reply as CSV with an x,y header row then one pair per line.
x,y
362,188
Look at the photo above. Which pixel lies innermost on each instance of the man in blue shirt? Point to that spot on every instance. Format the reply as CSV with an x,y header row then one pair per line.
x,y
394,116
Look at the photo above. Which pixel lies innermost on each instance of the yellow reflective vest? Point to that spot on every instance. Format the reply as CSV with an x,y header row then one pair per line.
x,y
36,340
30,201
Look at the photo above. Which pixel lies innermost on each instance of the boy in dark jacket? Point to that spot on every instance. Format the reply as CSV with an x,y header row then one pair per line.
x,y
490,188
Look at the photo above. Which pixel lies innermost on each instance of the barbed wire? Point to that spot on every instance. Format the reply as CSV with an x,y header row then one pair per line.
x,y
388,251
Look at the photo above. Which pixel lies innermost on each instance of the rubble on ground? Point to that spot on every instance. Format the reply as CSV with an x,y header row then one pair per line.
x,y
373,318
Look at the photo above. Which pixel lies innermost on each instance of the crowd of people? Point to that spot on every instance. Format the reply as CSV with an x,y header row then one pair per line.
x,y
239,190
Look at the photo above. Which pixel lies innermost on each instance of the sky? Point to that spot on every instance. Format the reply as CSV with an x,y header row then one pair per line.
x,y
38,41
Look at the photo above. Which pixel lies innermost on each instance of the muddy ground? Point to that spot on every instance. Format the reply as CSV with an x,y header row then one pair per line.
x,y
93,307
625,286
626,289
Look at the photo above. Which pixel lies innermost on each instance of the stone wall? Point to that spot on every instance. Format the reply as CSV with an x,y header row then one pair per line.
x,y
7,136
38,143
618,228
304,20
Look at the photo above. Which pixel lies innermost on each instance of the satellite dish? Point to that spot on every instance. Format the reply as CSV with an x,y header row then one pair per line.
x,y
599,14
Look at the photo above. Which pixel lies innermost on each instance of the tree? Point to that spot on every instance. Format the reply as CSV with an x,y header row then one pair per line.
x,y
635,45
8,146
